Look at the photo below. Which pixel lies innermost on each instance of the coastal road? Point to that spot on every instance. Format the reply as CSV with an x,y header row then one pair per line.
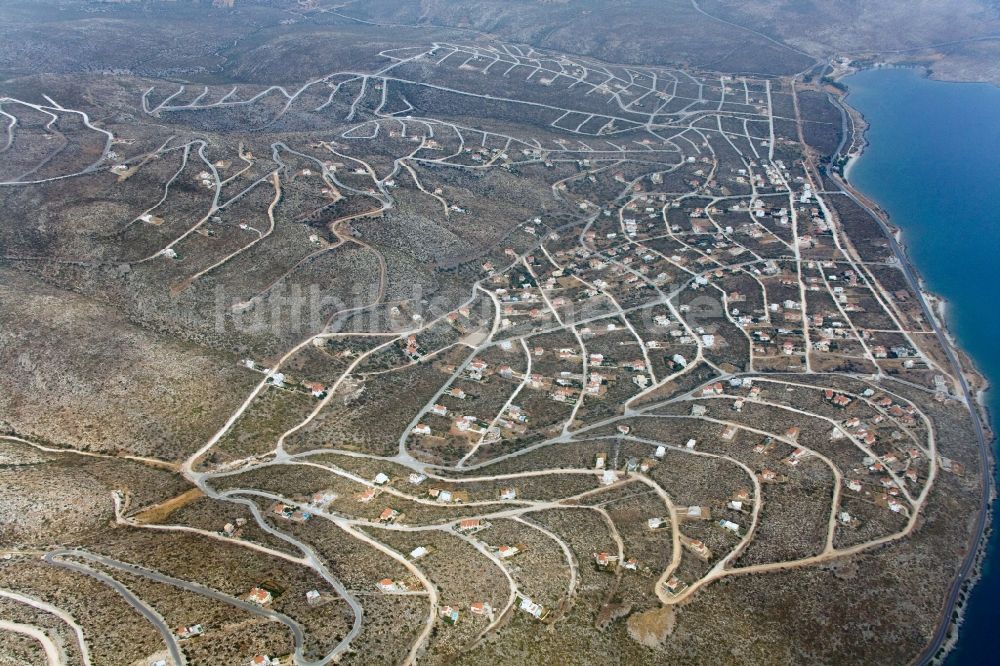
x,y
985,457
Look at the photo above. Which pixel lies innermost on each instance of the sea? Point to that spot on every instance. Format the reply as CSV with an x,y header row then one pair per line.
x,y
933,164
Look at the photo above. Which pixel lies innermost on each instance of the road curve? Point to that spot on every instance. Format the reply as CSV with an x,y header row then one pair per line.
x,y
51,651
298,634
45,607
985,457
54,558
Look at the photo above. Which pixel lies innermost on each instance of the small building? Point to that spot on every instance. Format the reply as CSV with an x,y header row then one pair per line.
x,y
731,526
317,389
604,559
322,497
480,608
697,513
468,524
699,548
713,389
503,552
259,596
190,631
531,608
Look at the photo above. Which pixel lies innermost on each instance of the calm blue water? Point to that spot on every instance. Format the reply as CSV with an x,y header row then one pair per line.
x,y
933,163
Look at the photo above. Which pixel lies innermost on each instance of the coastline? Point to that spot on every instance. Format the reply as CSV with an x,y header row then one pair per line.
x,y
973,382
938,304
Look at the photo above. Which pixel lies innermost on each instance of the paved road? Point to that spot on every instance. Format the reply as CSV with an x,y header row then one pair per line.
x,y
298,635
316,564
310,558
55,558
985,456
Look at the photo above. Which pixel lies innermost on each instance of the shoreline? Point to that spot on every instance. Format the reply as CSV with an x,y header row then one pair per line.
x,y
972,381
938,304
926,65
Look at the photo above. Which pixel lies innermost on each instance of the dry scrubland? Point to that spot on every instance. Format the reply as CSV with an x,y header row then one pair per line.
x,y
503,332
